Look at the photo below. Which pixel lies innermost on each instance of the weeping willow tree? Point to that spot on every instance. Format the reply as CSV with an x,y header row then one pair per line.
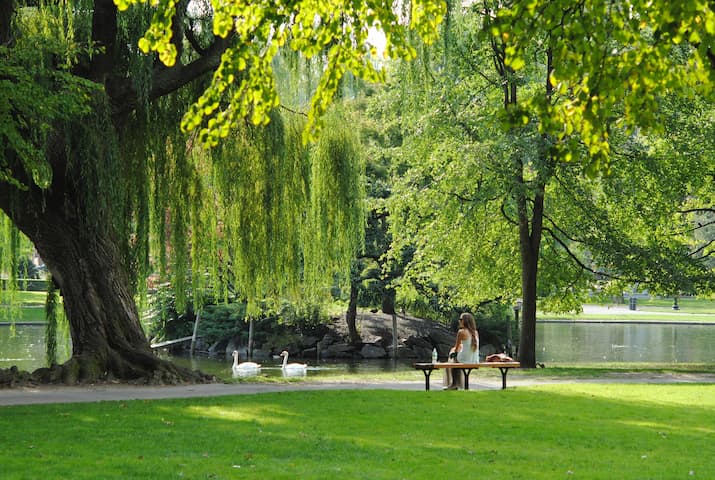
x,y
101,170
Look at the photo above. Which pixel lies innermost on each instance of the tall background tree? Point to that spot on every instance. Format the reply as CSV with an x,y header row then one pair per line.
x,y
611,64
495,206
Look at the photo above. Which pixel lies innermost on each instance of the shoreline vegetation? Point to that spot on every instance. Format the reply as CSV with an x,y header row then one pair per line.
x,y
29,310
656,311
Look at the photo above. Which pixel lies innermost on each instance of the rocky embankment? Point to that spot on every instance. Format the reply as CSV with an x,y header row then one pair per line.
x,y
415,340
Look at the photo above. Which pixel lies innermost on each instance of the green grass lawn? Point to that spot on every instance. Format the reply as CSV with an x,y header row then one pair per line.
x,y
23,307
36,299
647,309
687,305
546,432
24,314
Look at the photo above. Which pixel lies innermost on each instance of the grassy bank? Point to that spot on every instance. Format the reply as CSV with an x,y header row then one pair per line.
x,y
22,307
29,306
638,316
687,305
647,309
552,431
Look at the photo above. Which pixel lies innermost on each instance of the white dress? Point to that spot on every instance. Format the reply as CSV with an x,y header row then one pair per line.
x,y
464,355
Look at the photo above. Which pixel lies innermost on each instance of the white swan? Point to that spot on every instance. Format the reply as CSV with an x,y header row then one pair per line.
x,y
292,368
244,368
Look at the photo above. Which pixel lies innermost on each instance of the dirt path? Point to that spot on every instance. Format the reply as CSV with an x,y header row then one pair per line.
x,y
98,393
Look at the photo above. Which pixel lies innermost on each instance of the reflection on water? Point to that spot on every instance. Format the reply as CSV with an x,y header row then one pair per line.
x,y
625,342
24,346
222,367
556,342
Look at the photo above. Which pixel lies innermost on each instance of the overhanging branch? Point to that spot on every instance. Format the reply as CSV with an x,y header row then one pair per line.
x,y
575,258
168,80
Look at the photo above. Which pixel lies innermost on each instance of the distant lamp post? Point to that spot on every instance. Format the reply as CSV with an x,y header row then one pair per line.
x,y
517,308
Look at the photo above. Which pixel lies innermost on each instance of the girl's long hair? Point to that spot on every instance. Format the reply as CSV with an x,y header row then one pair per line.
x,y
469,323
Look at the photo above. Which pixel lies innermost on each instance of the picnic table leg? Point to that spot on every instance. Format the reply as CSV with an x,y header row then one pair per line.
x,y
466,372
504,371
427,372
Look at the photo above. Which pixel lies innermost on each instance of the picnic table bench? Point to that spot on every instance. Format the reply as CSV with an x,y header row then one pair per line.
x,y
428,367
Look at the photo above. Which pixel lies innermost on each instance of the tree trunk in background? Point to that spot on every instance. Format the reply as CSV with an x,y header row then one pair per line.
x,y
530,241
351,314
250,339
388,301
7,10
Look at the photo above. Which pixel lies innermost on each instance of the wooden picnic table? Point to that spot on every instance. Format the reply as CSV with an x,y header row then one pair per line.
x,y
428,367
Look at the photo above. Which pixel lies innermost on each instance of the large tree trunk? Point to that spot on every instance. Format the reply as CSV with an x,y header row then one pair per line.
x,y
84,259
530,234
107,339
530,226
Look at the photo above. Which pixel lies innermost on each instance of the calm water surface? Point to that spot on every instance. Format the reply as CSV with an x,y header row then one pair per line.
x,y
272,368
24,346
625,342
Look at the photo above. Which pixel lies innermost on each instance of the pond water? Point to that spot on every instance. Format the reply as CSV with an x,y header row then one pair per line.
x,y
24,346
557,342
625,342
272,368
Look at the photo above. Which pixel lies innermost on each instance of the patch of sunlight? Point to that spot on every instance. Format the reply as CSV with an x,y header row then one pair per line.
x,y
661,427
267,415
664,428
80,418
679,395
445,443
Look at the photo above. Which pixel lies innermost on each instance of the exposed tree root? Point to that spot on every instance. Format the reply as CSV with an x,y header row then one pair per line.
x,y
88,370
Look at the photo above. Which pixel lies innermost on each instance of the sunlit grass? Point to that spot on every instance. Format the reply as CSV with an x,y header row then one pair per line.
x,y
23,307
24,298
551,431
22,314
631,317
611,369
647,309
687,305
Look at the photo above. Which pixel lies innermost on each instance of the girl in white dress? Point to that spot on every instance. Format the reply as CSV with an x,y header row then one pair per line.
x,y
467,348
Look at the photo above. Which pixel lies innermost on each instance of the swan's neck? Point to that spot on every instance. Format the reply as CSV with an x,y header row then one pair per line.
x,y
235,360
285,360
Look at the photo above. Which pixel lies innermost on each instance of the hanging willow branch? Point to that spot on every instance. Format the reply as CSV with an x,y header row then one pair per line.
x,y
262,215
53,314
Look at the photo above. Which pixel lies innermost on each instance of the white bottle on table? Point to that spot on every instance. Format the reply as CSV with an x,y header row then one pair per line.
x,y
434,355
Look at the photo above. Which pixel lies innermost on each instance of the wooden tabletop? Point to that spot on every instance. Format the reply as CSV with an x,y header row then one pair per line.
x,y
437,365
